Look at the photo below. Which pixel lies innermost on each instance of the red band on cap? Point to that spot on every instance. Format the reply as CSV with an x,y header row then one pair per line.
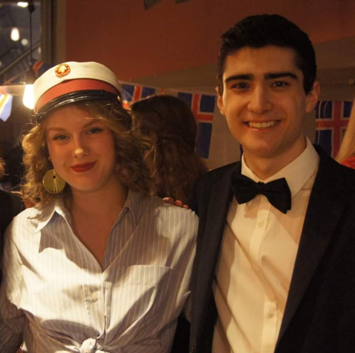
x,y
73,86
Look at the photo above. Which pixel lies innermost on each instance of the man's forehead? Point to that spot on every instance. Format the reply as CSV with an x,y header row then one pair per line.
x,y
260,61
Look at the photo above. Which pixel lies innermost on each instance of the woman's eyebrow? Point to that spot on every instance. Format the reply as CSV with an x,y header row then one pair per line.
x,y
55,128
59,128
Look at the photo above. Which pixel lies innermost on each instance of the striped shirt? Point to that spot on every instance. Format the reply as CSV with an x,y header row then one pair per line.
x,y
56,297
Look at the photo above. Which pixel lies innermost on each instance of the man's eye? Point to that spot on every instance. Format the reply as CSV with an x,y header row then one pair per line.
x,y
240,85
280,84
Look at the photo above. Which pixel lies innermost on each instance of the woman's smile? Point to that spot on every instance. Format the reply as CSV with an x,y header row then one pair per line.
x,y
80,168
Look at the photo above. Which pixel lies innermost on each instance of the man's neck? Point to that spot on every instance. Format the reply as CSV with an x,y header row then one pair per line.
x,y
265,168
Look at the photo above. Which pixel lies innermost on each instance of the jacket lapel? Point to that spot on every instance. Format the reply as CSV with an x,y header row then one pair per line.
x,y
209,249
216,219
323,213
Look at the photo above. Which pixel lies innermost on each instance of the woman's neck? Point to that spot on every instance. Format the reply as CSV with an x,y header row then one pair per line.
x,y
105,203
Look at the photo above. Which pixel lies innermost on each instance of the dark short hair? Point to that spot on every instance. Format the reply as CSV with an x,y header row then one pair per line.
x,y
262,30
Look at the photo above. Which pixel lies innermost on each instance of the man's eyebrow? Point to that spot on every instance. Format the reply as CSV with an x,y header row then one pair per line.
x,y
248,77
272,75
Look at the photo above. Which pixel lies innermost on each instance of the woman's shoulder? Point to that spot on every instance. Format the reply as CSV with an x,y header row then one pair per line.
x,y
172,212
30,217
29,213
176,223
149,208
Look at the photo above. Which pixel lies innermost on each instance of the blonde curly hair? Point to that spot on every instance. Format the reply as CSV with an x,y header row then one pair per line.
x,y
131,170
168,128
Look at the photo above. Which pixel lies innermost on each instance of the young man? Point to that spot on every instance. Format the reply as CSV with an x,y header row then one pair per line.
x,y
275,262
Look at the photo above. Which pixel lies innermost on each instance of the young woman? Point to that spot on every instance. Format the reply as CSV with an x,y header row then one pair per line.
x,y
169,130
96,265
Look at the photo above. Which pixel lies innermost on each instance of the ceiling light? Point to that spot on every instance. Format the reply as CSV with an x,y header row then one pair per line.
x,y
28,100
15,34
22,4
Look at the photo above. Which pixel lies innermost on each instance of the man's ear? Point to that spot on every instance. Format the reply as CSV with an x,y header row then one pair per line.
x,y
312,97
219,101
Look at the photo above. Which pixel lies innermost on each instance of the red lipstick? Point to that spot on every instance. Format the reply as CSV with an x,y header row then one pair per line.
x,y
80,168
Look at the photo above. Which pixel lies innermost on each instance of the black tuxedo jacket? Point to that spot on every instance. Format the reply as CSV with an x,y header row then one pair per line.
x,y
320,311
10,206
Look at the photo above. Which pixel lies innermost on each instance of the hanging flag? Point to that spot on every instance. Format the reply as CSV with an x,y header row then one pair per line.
x,y
332,117
202,105
150,3
133,93
40,67
5,106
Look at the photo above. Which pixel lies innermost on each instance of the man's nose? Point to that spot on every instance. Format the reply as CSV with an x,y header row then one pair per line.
x,y
259,101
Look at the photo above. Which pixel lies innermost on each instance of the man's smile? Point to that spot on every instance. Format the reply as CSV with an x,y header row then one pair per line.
x,y
262,124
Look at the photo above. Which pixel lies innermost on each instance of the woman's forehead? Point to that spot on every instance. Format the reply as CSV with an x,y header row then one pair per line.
x,y
70,116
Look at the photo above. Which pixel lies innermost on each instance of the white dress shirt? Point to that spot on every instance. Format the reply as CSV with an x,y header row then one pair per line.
x,y
257,258
57,298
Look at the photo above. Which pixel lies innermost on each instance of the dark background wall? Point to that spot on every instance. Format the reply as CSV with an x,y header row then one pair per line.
x,y
170,37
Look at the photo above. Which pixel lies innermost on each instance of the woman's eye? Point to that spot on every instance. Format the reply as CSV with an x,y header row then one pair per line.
x,y
59,137
95,130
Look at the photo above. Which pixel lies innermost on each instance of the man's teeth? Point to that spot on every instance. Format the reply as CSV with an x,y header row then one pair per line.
x,y
262,125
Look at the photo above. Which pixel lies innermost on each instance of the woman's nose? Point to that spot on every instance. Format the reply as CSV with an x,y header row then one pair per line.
x,y
80,149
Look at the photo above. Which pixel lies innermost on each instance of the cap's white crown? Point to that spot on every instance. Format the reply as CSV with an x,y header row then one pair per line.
x,y
77,70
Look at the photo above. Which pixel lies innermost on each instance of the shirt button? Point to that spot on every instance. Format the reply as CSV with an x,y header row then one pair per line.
x,y
261,224
270,314
94,297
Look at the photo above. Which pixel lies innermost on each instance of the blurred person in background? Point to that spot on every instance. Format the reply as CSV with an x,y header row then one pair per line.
x,y
346,155
168,129
10,205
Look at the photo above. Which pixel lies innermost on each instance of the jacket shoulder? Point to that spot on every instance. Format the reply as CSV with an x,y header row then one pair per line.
x,y
10,205
215,179
217,173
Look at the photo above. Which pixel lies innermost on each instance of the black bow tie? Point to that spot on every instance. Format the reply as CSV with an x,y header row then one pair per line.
x,y
277,191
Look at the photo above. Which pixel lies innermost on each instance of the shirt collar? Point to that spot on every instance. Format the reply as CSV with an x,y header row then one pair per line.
x,y
49,211
135,203
297,173
57,212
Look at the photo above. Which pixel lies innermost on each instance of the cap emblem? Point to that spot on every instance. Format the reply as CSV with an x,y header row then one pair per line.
x,y
62,70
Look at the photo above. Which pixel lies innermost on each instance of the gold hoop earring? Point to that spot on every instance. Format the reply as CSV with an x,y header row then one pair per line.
x,y
53,182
